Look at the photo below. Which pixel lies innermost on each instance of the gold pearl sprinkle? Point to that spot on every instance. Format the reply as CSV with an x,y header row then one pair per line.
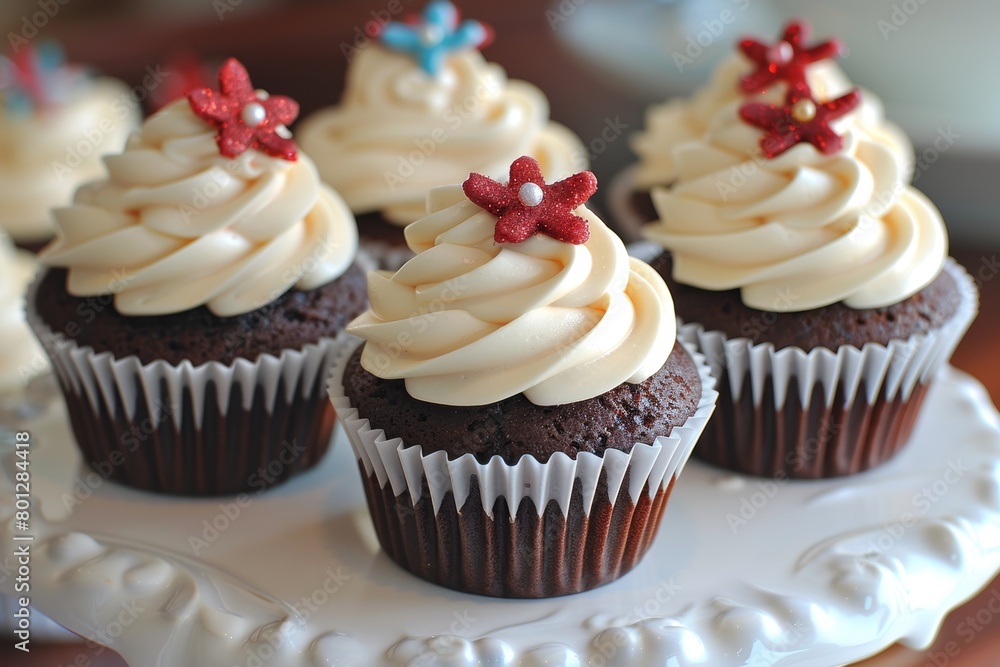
x,y
804,111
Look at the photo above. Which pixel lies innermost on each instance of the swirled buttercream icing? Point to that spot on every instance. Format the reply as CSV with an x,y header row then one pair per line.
x,y
21,357
679,121
399,132
175,225
46,155
470,322
804,229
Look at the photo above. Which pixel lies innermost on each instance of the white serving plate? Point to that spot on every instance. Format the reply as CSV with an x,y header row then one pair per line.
x,y
743,572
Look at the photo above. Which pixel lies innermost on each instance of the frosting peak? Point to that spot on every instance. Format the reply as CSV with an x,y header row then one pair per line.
x,y
794,226
175,225
399,132
682,120
470,322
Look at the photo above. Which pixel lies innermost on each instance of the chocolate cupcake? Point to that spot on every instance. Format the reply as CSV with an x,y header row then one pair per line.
x,y
807,270
423,107
194,298
56,121
521,408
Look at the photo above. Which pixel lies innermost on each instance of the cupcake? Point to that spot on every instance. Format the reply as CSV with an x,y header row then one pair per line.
x,y
676,123
193,299
21,358
56,123
423,107
520,409
813,277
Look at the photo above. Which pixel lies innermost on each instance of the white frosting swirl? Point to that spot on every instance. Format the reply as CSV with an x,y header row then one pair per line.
x,y
176,225
802,230
678,121
44,157
471,322
398,132
21,357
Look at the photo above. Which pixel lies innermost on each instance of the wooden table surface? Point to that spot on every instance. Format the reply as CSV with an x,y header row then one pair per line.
x,y
297,52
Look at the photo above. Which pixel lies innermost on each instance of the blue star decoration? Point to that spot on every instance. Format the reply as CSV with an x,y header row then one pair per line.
x,y
37,78
435,35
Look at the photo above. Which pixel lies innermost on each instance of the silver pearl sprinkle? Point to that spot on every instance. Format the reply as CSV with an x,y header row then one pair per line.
x,y
254,114
530,194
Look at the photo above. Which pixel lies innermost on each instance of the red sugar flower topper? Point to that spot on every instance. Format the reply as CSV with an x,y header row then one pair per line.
x,y
785,60
244,118
527,206
800,119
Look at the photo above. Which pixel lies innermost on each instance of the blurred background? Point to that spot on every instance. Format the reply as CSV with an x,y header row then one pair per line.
x,y
935,65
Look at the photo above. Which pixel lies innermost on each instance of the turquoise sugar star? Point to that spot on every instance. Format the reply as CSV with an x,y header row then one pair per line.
x,y
434,36
35,78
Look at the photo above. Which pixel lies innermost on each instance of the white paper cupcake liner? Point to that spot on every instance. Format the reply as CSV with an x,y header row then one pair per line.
x,y
406,468
105,380
209,402
822,413
888,370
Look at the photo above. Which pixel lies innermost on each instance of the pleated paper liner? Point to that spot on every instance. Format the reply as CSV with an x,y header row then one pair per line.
x,y
794,414
527,530
202,430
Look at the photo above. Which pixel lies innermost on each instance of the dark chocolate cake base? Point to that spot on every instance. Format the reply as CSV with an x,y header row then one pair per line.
x,y
524,556
828,327
516,427
641,205
162,447
515,553
34,247
291,321
373,227
383,240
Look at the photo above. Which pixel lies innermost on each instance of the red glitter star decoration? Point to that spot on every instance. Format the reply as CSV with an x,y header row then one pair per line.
x,y
785,60
800,119
527,206
244,118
